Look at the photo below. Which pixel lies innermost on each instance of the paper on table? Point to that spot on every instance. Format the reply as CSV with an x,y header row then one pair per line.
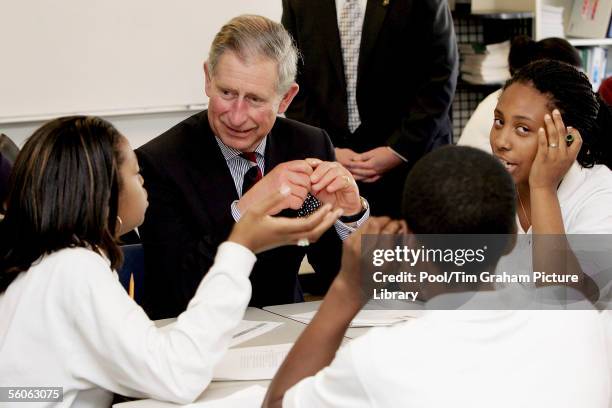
x,y
251,363
248,329
249,397
368,318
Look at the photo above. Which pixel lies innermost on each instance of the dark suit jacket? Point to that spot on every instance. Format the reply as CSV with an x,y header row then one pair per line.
x,y
406,80
190,192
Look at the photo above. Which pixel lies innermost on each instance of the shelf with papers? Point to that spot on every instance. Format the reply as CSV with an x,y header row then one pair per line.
x,y
590,42
504,15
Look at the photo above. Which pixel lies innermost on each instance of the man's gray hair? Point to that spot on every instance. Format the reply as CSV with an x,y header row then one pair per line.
x,y
251,36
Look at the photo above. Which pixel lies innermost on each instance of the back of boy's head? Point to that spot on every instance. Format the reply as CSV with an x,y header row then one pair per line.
x,y
459,190
525,50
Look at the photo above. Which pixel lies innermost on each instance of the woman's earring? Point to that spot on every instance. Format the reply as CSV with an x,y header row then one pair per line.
x,y
120,224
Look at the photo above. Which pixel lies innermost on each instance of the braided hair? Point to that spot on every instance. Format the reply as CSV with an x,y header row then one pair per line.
x,y
570,91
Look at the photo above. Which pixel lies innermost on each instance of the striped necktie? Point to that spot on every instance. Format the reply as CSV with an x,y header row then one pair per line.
x,y
350,38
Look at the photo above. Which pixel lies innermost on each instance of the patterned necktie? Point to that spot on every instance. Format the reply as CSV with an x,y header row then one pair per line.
x,y
350,38
253,175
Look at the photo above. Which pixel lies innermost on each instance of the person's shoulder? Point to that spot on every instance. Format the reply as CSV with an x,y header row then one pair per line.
x,y
596,179
176,138
290,126
292,139
602,172
73,267
384,340
75,258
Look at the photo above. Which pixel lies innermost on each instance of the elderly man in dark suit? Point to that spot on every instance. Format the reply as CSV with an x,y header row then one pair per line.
x,y
379,76
207,171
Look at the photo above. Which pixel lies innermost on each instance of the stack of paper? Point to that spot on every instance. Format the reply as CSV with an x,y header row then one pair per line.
x,y
251,363
552,21
248,330
249,397
369,318
482,64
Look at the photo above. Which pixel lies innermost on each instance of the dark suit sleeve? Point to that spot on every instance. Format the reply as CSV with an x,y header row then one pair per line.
x,y
427,114
326,254
297,107
176,255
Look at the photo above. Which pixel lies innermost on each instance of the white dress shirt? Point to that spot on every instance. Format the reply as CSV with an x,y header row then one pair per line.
x,y
468,359
68,322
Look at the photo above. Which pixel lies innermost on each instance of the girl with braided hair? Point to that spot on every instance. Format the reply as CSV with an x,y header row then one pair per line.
x,y
553,134
523,50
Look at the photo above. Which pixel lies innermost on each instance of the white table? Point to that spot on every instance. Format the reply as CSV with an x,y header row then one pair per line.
x,y
294,308
286,333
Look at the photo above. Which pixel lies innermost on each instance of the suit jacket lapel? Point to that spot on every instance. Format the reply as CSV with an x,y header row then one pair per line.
x,y
329,24
208,163
372,23
274,154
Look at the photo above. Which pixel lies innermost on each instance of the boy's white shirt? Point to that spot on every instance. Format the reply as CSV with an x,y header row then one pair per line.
x,y
469,359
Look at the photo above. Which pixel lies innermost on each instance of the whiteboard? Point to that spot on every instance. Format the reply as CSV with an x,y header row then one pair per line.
x,y
62,57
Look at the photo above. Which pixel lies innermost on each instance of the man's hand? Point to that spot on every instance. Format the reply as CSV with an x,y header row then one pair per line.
x,y
333,184
371,165
347,157
294,174
259,231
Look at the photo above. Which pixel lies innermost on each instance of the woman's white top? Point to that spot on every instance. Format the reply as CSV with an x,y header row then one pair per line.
x,y
68,322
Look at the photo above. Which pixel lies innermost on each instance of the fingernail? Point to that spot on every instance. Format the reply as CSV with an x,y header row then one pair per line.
x,y
547,117
285,190
339,211
569,128
556,112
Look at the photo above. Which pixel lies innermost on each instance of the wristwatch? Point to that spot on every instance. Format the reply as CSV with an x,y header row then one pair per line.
x,y
356,217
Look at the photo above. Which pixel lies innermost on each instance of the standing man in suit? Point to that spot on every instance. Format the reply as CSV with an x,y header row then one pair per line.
x,y
379,76
208,170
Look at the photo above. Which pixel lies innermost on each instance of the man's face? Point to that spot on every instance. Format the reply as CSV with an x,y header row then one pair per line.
x,y
243,100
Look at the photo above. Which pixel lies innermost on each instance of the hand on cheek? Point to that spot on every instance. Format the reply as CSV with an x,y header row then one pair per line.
x,y
553,157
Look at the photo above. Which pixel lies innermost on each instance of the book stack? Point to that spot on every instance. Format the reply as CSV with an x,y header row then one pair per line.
x,y
552,21
594,61
485,64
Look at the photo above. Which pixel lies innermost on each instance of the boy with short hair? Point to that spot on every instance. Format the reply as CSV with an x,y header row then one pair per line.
x,y
479,358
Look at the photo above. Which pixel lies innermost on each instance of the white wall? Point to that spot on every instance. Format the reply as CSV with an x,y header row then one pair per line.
x,y
137,63
137,128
